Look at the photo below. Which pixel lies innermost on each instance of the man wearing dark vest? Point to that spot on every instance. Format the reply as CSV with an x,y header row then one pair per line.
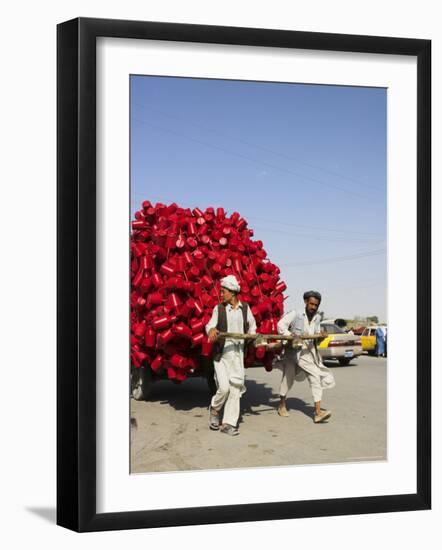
x,y
230,316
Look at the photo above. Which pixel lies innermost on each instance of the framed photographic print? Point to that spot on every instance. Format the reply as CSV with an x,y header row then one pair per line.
x,y
243,274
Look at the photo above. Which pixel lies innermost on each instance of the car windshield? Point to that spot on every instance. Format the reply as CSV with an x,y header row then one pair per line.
x,y
332,328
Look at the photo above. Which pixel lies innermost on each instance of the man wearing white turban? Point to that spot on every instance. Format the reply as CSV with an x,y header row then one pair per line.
x,y
230,316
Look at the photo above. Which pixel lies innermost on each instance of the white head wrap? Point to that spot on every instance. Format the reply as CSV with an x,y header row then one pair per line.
x,y
231,283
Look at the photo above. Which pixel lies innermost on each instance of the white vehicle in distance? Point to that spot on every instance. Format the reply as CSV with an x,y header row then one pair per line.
x,y
339,344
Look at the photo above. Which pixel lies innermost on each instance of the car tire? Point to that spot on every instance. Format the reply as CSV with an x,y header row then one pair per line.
x,y
141,383
344,361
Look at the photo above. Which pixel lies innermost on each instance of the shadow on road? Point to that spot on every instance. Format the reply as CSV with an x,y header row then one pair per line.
x,y
257,394
190,394
295,404
194,393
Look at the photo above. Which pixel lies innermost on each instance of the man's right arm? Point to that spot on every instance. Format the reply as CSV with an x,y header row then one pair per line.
x,y
285,322
211,329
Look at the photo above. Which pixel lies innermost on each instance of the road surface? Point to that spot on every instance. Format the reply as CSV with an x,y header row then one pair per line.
x,y
172,427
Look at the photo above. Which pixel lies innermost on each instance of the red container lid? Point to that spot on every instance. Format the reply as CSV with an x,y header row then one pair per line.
x,y
180,242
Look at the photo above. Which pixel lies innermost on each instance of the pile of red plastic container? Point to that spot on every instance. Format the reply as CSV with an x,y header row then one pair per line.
x,y
178,257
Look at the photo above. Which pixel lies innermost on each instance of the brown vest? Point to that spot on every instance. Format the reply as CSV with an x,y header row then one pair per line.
x,y
222,327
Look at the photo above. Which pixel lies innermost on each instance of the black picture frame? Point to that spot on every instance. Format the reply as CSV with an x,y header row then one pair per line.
x,y
76,274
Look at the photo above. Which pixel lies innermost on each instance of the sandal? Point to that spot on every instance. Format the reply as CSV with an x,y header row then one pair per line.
x,y
323,415
282,411
213,419
229,430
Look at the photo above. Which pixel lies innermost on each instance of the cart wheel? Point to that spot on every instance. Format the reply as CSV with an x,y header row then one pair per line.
x,y
141,383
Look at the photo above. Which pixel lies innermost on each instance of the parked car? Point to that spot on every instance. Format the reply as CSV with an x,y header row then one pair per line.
x,y
339,344
368,339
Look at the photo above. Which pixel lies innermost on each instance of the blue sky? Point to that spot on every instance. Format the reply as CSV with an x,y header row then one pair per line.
x,y
304,164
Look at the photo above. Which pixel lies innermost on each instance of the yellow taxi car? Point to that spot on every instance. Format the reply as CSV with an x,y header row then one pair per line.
x,y
368,339
339,344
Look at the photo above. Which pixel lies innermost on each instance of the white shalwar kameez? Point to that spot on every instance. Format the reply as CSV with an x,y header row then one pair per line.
x,y
229,370
306,362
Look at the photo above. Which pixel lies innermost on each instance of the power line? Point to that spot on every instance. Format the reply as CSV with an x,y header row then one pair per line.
x,y
314,227
336,259
250,159
315,237
260,147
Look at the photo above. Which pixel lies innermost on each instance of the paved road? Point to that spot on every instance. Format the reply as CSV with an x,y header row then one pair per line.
x,y
172,432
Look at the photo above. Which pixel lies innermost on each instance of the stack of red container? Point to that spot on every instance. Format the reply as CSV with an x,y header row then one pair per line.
x,y
178,257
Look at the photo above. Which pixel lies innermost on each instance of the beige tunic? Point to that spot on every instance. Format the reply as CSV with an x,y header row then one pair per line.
x,y
305,363
310,363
